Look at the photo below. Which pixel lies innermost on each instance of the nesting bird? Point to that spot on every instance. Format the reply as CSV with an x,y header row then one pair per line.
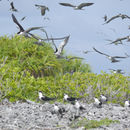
x,y
103,98
21,29
12,7
78,106
127,103
113,59
43,9
78,7
44,98
69,99
97,103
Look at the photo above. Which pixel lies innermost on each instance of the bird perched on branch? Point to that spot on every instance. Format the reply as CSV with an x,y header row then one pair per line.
x,y
113,59
123,16
12,7
78,7
43,9
21,29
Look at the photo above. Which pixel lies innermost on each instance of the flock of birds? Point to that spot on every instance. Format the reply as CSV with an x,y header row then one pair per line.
x,y
74,101
58,51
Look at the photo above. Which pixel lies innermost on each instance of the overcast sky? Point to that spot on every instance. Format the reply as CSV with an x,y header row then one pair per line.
x,y
85,27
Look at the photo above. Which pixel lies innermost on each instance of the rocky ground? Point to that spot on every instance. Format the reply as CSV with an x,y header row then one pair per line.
x,y
36,116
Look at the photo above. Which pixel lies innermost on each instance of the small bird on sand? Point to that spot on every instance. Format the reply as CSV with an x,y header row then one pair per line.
x,y
44,98
78,7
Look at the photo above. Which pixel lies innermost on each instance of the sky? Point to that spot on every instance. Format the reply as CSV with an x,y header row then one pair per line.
x,y
85,28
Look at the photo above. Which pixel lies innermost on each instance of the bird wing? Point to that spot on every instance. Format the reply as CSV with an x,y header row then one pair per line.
x,y
43,11
99,51
31,29
67,4
84,4
74,58
127,16
56,49
114,17
120,56
15,21
12,5
23,18
62,45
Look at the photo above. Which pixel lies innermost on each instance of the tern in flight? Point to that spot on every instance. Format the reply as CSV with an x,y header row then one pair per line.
x,y
59,50
22,31
79,7
43,9
113,59
118,71
123,16
12,7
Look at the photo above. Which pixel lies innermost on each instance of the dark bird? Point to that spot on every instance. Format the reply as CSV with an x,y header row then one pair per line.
x,y
97,103
79,7
21,29
118,71
103,98
123,16
111,58
59,50
43,9
12,7
44,98
127,103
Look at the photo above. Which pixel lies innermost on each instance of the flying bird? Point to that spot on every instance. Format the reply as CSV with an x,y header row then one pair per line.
x,y
59,50
119,40
12,7
118,71
43,9
44,98
78,7
123,16
113,59
21,29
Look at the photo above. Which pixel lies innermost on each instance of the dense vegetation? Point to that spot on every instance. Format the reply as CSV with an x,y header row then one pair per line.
x,y
26,68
